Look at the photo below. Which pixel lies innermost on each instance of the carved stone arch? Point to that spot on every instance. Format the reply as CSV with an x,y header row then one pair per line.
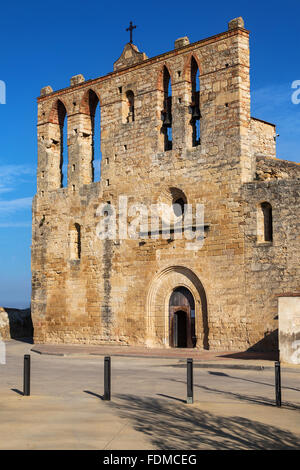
x,y
85,104
90,109
159,294
129,87
160,77
187,66
58,112
57,150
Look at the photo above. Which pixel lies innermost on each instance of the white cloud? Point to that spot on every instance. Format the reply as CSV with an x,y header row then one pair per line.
x,y
7,207
15,224
12,175
15,170
269,96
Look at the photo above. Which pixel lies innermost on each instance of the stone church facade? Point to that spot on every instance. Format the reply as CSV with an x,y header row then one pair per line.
x,y
175,128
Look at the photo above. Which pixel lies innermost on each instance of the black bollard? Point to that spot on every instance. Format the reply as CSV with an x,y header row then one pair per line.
x,y
277,384
107,378
189,371
26,377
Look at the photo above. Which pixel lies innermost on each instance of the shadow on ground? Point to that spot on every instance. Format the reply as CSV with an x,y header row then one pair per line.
x,y
223,374
250,399
253,355
94,394
170,426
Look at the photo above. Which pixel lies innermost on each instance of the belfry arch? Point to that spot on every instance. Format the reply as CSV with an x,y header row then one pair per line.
x,y
158,307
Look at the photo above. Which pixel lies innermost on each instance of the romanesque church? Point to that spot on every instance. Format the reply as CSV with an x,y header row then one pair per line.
x,y
174,129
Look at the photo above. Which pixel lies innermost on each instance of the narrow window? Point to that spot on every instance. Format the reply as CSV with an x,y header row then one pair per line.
x,y
264,223
268,222
130,106
75,242
167,110
195,103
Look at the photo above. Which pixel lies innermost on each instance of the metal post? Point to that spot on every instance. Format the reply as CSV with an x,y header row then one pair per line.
x,y
107,378
277,384
189,369
26,376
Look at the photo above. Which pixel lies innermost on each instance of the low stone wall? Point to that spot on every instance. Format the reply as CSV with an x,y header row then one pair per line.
x,y
276,169
15,323
289,328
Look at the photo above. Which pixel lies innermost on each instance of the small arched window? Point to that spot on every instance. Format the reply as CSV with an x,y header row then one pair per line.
x,y
75,242
129,106
268,221
265,223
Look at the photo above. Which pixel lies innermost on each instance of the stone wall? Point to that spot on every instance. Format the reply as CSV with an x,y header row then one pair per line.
x,y
271,266
270,169
263,138
118,290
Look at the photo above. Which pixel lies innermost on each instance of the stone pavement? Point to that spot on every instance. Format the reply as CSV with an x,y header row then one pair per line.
x,y
233,409
203,358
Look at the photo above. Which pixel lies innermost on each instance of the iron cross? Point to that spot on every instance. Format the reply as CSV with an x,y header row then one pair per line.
x,y
131,28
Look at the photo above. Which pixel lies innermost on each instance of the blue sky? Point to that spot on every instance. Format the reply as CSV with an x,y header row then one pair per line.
x,y
45,43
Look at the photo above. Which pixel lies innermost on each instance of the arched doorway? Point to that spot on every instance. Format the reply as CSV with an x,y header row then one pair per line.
x,y
164,283
182,318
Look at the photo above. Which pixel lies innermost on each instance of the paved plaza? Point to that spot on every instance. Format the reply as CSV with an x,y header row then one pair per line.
x,y
233,406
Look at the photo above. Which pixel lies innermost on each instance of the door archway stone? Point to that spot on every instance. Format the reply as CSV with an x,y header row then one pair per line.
x,y
160,291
